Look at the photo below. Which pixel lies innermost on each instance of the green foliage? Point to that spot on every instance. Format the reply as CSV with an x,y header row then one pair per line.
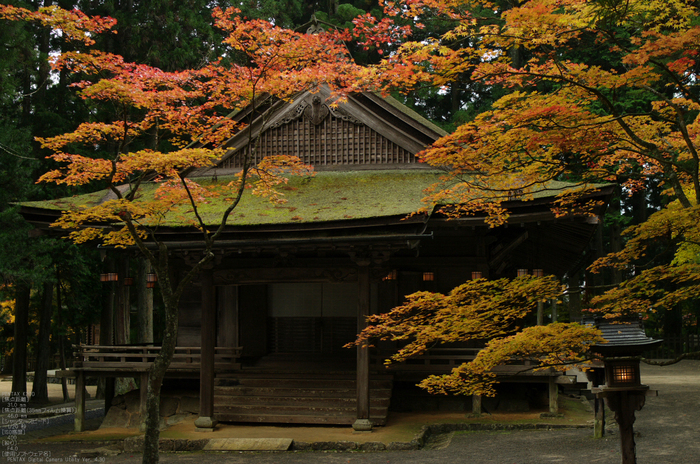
x,y
169,35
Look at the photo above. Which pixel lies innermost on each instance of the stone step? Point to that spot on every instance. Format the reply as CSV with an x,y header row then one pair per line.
x,y
297,398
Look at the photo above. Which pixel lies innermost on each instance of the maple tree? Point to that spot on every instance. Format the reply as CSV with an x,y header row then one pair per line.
x,y
164,123
482,310
633,122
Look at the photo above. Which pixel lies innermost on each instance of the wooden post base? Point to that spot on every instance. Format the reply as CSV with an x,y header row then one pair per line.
x,y
362,425
476,405
205,424
553,396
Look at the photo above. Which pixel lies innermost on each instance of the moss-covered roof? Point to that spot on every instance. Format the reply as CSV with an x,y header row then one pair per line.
x,y
327,196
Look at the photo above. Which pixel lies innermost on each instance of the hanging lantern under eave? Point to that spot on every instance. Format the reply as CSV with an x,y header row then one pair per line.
x,y
109,277
522,272
128,281
151,279
391,276
538,272
477,275
428,276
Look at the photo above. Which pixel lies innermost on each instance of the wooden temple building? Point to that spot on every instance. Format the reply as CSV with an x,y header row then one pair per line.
x,y
264,327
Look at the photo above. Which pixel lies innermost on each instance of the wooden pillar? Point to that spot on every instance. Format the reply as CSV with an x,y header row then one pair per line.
x,y
79,418
122,322
145,303
107,333
575,297
540,313
206,421
553,396
362,422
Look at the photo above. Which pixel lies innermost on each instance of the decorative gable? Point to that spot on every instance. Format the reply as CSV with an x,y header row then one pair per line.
x,y
362,131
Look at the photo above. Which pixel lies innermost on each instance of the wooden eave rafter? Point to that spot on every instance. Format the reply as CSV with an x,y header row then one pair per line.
x,y
505,250
535,210
393,241
406,139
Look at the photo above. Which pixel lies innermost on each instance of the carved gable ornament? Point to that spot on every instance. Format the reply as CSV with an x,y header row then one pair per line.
x,y
315,111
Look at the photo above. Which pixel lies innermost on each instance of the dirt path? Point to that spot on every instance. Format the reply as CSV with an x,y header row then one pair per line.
x,y
667,431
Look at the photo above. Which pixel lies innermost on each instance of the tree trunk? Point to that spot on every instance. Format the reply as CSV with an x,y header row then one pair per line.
x,y
40,392
155,381
19,371
171,291
516,56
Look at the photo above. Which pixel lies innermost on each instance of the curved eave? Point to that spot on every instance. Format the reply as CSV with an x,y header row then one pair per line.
x,y
39,216
360,230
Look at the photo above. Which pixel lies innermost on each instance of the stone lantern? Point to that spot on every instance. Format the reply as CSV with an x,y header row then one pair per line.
x,y
623,390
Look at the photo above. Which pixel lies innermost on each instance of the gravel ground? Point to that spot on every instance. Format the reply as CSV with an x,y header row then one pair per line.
x,y
667,433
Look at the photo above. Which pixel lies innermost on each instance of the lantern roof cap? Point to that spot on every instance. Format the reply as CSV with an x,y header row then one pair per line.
x,y
625,337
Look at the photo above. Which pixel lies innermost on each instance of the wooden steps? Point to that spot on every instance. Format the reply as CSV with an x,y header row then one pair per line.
x,y
298,397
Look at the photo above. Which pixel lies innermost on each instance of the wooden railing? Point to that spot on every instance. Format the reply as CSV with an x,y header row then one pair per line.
x,y
139,358
675,345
